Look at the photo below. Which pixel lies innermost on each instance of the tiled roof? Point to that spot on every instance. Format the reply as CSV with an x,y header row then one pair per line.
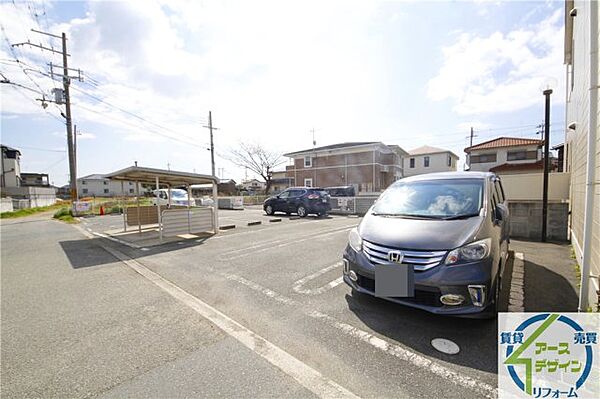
x,y
504,142
332,147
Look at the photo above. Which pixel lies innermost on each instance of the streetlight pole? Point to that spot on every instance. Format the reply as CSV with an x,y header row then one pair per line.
x,y
547,94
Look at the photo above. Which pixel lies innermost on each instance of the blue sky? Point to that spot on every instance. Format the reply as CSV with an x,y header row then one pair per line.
x,y
406,73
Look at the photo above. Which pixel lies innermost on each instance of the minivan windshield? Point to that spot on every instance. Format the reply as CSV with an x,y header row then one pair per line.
x,y
433,199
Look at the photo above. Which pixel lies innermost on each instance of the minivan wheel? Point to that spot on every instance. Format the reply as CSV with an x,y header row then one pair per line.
x,y
301,211
269,210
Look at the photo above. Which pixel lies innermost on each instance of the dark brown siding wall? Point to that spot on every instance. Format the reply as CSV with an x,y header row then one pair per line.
x,y
337,174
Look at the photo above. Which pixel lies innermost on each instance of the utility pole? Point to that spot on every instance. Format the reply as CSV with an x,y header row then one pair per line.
x,y
75,151
212,145
546,162
67,100
470,145
66,84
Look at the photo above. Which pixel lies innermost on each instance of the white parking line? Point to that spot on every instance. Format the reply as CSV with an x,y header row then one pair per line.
x,y
270,243
298,370
316,291
517,296
389,348
305,375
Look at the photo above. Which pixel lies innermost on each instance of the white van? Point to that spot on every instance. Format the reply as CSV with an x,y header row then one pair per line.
x,y
178,197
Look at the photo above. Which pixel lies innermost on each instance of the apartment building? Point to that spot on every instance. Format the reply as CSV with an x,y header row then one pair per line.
x,y
582,141
427,159
11,167
97,185
368,166
506,155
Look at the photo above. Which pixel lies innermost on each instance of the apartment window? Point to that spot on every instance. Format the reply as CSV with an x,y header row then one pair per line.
x,y
83,182
426,162
106,191
449,160
412,162
308,183
483,158
105,183
131,183
131,191
521,155
307,162
85,190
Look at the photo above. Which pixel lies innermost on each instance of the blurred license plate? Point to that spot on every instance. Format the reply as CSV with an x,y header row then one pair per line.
x,y
394,280
324,200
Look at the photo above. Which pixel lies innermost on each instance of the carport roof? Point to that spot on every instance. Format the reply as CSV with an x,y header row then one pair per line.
x,y
172,177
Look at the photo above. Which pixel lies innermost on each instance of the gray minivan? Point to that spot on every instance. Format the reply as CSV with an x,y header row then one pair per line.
x,y
437,242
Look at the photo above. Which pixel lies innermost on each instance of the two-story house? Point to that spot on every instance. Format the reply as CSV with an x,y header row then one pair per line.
x,y
368,166
427,159
506,155
98,186
253,185
280,181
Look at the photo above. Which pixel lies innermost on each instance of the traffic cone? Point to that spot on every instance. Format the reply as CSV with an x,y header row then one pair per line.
x,y
101,211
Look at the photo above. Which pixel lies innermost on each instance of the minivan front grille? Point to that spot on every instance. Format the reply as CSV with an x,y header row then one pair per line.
x,y
427,297
421,260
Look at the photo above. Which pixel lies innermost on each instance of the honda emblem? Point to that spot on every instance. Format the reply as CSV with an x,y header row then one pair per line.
x,y
395,256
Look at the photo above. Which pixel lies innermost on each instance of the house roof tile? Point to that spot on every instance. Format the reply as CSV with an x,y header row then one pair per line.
x,y
504,142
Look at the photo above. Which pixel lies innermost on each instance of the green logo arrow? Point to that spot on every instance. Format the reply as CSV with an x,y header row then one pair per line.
x,y
514,359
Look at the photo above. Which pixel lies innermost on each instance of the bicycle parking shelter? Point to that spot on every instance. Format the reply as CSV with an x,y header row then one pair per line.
x,y
170,220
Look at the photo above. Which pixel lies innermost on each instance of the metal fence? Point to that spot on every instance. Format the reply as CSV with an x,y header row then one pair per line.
x,y
352,205
186,221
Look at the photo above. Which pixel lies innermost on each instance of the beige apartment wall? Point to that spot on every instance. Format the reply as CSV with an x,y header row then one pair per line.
x,y
578,111
529,186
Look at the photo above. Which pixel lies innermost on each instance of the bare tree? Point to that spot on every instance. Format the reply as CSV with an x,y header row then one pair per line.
x,y
257,159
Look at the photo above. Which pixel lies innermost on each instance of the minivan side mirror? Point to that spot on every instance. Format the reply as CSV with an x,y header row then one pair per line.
x,y
498,214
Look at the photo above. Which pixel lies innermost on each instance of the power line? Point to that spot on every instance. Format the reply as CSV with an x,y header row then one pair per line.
x,y
105,115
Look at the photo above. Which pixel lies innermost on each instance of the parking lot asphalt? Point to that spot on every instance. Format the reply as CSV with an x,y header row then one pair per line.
x,y
282,281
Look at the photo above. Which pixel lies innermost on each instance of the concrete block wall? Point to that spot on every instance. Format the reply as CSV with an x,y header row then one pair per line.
x,y
526,220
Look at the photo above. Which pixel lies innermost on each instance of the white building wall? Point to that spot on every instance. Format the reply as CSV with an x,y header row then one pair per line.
x,y
502,157
578,111
12,172
438,162
97,187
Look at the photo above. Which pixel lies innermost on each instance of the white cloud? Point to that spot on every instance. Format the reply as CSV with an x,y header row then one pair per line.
x,y
501,72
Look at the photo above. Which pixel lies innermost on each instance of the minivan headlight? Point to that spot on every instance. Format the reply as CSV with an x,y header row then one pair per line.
x,y
354,240
475,251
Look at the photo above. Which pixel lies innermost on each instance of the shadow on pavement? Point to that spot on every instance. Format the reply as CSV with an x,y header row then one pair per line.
x,y
415,329
88,252
547,291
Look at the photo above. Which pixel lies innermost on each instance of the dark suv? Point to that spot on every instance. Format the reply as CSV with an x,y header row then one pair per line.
x,y
300,200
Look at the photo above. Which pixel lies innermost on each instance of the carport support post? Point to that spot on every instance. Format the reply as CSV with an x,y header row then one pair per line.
x,y
215,206
158,206
137,200
189,193
123,207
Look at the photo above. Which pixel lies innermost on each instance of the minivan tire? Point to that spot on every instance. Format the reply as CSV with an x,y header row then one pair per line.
x,y
269,210
301,211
